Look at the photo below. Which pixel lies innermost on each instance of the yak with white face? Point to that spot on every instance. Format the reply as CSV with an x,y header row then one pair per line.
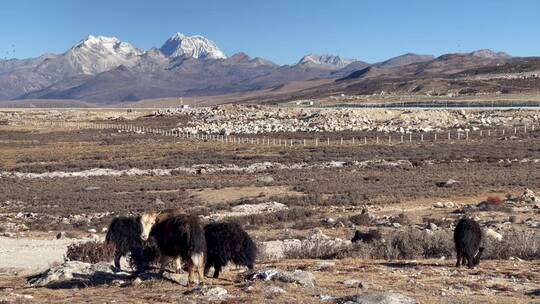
x,y
148,220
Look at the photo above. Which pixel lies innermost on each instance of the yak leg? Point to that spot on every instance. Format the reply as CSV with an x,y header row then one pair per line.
x,y
117,256
164,260
207,269
470,261
217,270
459,256
197,265
178,264
190,274
200,271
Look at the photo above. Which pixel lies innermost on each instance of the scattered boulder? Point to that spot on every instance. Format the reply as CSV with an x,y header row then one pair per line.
x,y
61,235
447,184
316,243
529,197
277,250
447,204
265,179
303,278
176,278
324,265
493,234
75,273
216,293
275,290
356,284
377,298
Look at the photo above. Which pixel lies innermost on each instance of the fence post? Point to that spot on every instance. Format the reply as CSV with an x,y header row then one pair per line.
x,y
328,141
316,142
353,141
377,140
365,140
421,137
389,139
401,138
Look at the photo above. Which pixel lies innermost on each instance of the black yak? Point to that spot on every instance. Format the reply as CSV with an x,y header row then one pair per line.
x,y
367,237
149,219
181,237
467,237
228,242
124,233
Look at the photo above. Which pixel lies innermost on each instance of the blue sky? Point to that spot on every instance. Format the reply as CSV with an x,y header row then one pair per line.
x,y
279,30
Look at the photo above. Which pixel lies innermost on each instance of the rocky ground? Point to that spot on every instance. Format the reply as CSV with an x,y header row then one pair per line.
x,y
302,206
230,119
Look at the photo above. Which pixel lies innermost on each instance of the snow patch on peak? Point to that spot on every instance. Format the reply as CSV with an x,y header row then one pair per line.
x,y
180,45
329,61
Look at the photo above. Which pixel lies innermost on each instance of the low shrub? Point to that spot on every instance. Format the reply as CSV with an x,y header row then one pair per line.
x,y
274,218
362,219
90,252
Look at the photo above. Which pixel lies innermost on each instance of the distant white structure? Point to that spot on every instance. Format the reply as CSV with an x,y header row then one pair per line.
x,y
306,102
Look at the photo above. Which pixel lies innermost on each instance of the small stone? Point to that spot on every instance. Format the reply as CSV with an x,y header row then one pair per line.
x,y
265,179
136,282
324,265
216,293
92,230
91,188
396,225
176,278
432,226
275,289
61,235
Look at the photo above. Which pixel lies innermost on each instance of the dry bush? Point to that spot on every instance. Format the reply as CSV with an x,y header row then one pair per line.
x,y
406,244
90,252
515,243
361,219
402,219
443,223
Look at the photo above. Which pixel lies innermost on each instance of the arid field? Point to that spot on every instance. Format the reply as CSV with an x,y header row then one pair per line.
x,y
63,184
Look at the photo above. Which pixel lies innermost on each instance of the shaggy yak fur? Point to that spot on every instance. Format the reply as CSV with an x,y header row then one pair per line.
x,y
181,237
228,242
124,233
367,237
467,237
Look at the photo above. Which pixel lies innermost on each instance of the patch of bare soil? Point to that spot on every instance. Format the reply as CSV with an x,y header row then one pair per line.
x,y
223,195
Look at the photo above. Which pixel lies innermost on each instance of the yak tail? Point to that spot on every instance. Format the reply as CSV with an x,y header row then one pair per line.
x,y
110,232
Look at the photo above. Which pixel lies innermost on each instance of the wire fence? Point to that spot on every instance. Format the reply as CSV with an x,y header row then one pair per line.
x,y
369,138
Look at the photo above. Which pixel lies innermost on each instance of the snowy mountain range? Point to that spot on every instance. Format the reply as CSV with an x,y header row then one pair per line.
x,y
105,70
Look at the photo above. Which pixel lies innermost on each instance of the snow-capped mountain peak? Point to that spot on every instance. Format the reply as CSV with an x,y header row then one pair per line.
x,y
96,54
191,46
329,61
